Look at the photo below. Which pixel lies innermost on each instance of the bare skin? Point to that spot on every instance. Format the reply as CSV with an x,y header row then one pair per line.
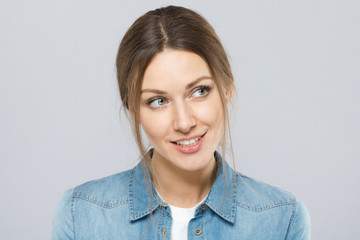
x,y
182,188
181,114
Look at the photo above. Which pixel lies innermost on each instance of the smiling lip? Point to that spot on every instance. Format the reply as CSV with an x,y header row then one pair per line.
x,y
189,149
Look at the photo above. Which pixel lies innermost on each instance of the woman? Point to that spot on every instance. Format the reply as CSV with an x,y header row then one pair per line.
x,y
175,82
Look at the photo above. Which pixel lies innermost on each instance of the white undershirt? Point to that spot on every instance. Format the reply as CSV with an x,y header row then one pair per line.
x,y
180,220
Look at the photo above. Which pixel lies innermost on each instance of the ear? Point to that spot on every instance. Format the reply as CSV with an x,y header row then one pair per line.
x,y
229,93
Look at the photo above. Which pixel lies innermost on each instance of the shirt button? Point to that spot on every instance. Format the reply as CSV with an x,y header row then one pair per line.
x,y
198,231
203,208
164,233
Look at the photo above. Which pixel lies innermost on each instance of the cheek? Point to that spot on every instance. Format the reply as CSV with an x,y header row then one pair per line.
x,y
154,125
211,113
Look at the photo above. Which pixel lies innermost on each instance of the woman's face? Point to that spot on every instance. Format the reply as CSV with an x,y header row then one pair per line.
x,y
180,110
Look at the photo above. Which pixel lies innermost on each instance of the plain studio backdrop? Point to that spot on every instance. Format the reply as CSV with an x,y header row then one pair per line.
x,y
295,124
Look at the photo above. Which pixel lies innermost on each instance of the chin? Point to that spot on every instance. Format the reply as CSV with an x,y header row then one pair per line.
x,y
193,163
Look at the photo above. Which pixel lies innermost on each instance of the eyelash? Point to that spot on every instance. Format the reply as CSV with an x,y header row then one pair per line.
x,y
202,87
205,88
152,100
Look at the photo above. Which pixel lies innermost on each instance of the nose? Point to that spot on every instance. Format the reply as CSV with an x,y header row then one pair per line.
x,y
184,119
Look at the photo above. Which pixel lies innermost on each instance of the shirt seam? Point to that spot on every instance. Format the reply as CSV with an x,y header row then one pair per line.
x,y
263,208
72,207
219,212
292,215
100,203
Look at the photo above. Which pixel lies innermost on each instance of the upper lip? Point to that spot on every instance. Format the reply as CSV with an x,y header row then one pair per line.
x,y
189,138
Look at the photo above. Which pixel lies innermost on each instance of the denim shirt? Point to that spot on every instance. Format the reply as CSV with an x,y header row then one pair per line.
x,y
237,207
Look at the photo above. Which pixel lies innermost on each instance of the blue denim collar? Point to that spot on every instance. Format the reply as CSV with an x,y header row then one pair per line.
x,y
222,196
220,199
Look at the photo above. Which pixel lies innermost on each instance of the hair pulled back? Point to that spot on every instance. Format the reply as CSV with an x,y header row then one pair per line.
x,y
168,27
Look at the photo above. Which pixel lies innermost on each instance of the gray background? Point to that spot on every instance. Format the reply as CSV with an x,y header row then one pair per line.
x,y
296,123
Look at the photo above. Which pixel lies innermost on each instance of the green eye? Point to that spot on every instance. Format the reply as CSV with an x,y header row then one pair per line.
x,y
157,102
201,91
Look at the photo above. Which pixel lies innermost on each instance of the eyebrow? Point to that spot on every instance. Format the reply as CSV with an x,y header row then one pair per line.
x,y
189,85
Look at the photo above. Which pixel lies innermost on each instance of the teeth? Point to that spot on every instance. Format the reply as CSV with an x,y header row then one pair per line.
x,y
187,143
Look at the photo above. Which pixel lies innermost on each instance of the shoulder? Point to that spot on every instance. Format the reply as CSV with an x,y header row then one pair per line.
x,y
258,196
108,192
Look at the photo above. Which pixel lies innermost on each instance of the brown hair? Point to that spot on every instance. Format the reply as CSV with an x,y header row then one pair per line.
x,y
176,28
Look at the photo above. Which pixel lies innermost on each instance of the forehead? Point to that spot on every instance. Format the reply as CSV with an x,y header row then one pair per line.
x,y
175,68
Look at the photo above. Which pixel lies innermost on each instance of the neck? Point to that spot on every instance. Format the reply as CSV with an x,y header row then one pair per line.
x,y
179,187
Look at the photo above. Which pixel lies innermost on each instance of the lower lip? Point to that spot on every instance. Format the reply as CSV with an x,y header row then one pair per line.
x,y
190,149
